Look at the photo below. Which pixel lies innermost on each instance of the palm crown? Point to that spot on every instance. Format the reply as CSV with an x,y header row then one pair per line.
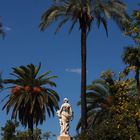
x,y
30,98
84,13
131,56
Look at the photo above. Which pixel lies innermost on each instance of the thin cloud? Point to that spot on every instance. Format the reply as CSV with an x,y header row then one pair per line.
x,y
7,28
73,70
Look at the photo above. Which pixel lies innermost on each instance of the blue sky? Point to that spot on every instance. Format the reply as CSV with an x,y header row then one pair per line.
x,y
25,44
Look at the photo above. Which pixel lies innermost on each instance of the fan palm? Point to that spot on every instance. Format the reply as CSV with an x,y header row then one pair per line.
x,y
131,57
99,99
84,12
30,96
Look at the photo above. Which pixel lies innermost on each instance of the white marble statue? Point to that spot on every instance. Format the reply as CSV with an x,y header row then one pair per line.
x,y
65,115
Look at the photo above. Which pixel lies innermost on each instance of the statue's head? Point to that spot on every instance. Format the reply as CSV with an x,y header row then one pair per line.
x,y
66,100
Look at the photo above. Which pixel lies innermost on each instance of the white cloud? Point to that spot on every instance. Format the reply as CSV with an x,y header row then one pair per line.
x,y
73,70
7,28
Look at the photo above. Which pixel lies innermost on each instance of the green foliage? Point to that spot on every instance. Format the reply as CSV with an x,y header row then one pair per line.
x,y
25,135
48,135
113,109
82,136
131,56
133,26
9,130
109,129
122,121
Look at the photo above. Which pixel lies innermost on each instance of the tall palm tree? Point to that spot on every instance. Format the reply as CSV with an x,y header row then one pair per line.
x,y
131,57
31,96
84,12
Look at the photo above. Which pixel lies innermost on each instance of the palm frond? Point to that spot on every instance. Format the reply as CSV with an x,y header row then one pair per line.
x,y
61,24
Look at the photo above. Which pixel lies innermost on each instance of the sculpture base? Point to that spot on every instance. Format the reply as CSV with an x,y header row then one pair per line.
x,y
64,137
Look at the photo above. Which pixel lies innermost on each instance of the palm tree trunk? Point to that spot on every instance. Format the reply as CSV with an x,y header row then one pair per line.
x,y
138,126
138,90
83,80
31,127
137,80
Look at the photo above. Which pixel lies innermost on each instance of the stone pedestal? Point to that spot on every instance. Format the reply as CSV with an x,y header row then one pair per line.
x,y
64,137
